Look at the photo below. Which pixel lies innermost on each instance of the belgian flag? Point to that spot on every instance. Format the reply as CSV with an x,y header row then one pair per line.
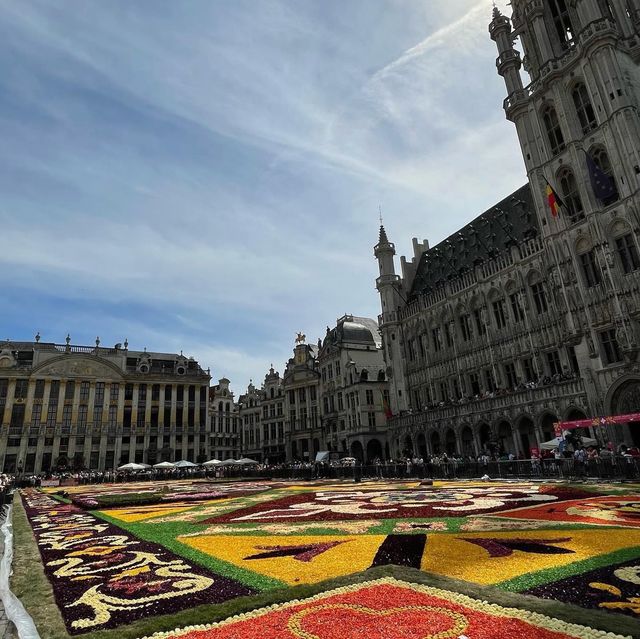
x,y
554,201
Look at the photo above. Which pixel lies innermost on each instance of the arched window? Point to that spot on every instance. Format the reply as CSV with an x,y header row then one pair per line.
x,y
584,108
600,157
554,132
562,22
571,195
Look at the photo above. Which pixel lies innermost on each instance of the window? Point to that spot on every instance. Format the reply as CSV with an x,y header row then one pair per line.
x,y
39,389
552,127
22,387
369,396
571,195
584,109
337,369
465,327
292,397
610,347
114,391
516,307
52,412
66,415
436,335
82,415
340,403
562,22
36,414
302,396
54,391
180,393
444,391
99,395
628,253
610,190
474,382
70,390
372,420
499,313
590,269
510,374
17,416
479,320
113,416
490,380
330,371
529,371
312,390
539,297
155,393
553,362
142,393
84,391
97,415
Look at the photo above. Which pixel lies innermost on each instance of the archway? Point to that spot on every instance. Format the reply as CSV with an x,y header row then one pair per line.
x,y
505,439
435,442
485,435
407,451
450,441
374,450
422,445
546,425
626,399
466,437
527,435
357,451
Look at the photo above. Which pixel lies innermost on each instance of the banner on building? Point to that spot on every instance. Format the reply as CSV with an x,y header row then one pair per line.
x,y
595,421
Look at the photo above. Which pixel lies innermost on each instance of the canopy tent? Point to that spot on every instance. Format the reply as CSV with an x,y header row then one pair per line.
x,y
132,466
212,462
229,462
183,463
554,443
323,455
164,464
245,461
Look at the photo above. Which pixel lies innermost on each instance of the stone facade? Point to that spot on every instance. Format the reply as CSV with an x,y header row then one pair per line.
x,y
224,420
523,318
95,407
330,398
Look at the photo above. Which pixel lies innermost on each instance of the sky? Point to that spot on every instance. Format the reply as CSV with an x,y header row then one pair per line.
x,y
206,175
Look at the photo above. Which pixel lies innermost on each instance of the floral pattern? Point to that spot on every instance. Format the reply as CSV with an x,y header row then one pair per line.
x,y
389,609
103,577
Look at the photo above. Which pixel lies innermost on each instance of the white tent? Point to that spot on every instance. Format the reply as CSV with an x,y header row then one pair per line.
x,y
229,462
212,462
245,461
131,466
554,443
183,463
164,464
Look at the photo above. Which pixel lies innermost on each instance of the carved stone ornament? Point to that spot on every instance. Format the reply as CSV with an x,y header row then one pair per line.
x,y
7,359
77,367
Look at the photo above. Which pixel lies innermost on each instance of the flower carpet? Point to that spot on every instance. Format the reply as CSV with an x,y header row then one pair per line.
x,y
574,550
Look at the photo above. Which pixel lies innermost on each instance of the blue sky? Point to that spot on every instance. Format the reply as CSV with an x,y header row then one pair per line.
x,y
205,175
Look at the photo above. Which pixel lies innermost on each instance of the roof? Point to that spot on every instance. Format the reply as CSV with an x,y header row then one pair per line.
x,y
510,222
354,330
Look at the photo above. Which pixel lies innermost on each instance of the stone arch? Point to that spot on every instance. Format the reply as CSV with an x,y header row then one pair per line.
x,y
527,433
450,442
357,451
407,449
623,398
547,420
573,414
583,244
505,438
466,441
421,442
374,450
484,434
434,438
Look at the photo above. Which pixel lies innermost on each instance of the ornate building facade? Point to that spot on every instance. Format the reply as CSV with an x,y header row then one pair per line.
x,y
524,318
94,407
225,436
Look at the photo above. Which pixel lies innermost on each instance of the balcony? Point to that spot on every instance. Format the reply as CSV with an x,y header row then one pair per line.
x,y
474,408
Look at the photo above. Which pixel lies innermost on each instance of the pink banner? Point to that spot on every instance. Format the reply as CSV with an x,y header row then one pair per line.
x,y
595,421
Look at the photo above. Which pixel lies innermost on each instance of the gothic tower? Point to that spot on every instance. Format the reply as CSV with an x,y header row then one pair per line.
x,y
579,130
389,286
